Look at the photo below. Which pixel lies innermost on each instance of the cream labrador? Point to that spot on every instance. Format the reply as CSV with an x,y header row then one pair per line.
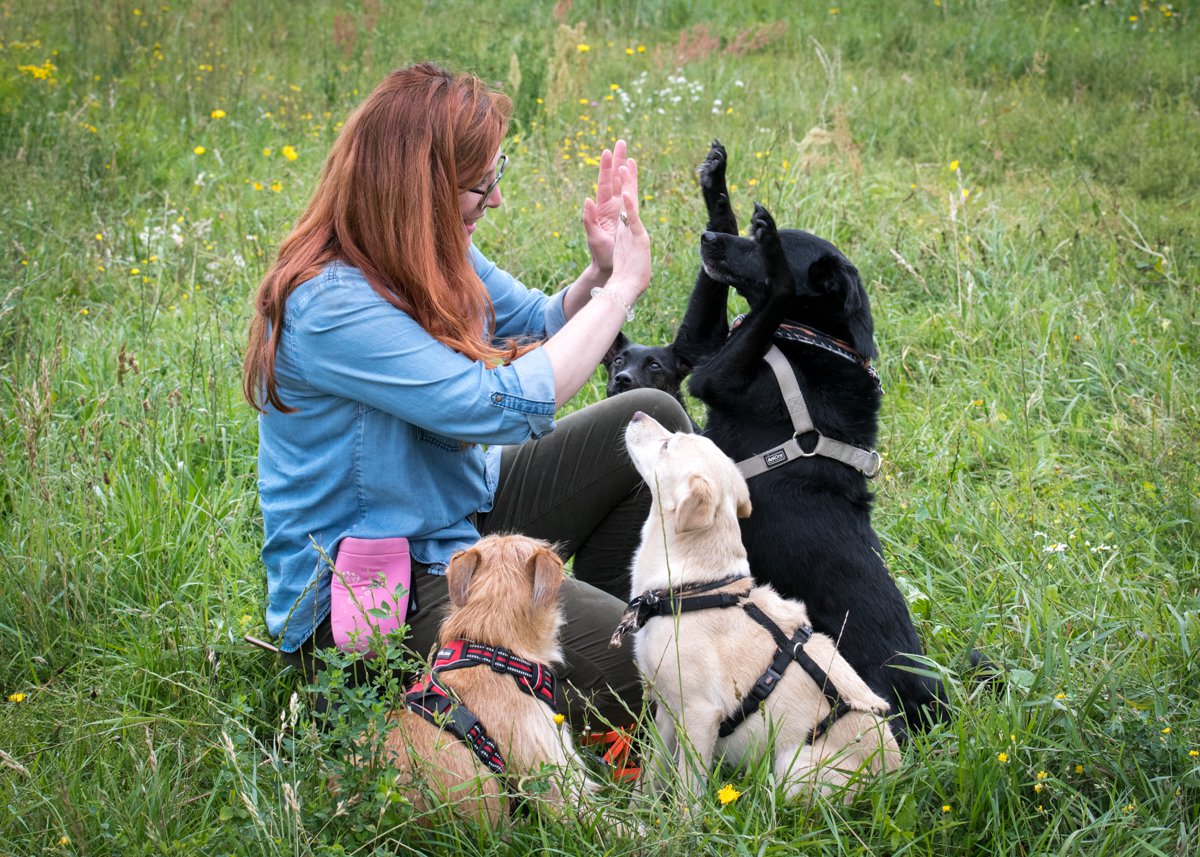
x,y
725,681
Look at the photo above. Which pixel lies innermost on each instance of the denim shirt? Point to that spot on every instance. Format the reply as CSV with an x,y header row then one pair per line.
x,y
386,439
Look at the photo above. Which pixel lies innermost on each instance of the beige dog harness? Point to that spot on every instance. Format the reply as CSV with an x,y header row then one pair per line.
x,y
866,461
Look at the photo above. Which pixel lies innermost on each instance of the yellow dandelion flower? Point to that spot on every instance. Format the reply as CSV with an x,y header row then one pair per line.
x,y
582,48
540,101
1194,753
1060,696
266,153
1037,787
1041,775
258,186
1002,758
64,841
584,101
289,152
614,86
945,807
16,697
99,237
728,794
629,52
954,166
965,193
1079,769
553,234
276,186
199,150
135,270
558,719
83,311
218,114
641,49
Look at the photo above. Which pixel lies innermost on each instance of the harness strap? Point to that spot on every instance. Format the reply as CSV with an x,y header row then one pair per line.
x,y
866,461
435,703
534,678
787,650
439,705
656,602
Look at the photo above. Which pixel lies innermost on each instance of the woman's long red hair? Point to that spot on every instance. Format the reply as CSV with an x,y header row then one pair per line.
x,y
387,203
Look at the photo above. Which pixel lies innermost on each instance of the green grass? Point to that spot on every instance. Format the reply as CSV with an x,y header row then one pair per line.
x,y
1036,311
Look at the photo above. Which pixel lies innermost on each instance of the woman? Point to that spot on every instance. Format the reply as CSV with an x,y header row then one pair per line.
x,y
386,350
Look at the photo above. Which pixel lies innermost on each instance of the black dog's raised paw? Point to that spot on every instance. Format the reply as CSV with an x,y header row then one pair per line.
x,y
780,281
715,190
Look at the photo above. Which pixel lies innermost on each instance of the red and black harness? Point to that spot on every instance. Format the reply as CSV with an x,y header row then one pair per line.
x,y
788,650
438,704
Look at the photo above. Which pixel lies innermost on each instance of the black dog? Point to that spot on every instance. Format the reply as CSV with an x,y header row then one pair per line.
x,y
631,366
810,534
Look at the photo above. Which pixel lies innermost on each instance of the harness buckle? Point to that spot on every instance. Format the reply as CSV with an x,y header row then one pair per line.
x,y
876,463
500,660
765,684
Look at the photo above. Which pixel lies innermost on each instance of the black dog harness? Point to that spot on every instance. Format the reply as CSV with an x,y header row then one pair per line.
x,y
655,603
438,704
865,461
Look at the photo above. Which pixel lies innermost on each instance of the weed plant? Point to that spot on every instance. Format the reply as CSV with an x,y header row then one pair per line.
x,y
1017,182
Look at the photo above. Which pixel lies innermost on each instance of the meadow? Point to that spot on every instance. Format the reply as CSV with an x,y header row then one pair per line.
x,y
1019,184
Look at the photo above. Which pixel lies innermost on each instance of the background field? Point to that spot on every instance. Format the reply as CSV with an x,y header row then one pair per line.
x,y
1018,183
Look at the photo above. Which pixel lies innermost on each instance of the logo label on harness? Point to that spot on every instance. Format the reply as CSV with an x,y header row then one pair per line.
x,y
775,457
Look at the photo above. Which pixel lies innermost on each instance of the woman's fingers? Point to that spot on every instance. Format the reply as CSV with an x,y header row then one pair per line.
x,y
604,182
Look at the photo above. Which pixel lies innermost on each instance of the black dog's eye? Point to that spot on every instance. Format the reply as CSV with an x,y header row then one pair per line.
x,y
654,364
618,361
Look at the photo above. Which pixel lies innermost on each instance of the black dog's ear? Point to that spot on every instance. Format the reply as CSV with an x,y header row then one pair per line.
x,y
618,345
685,367
838,278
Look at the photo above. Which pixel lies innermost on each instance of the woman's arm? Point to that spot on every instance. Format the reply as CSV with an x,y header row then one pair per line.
x,y
576,350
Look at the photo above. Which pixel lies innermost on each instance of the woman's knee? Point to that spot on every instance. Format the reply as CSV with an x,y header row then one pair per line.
x,y
660,405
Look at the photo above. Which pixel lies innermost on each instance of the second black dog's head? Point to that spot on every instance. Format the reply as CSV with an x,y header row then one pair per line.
x,y
631,366
829,294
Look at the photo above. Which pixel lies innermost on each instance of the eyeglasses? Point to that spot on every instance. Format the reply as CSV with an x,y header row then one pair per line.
x,y
485,192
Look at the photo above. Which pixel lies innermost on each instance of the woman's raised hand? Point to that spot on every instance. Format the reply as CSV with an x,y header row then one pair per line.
x,y
631,245
601,215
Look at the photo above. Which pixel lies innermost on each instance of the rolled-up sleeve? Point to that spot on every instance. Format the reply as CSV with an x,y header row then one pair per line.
x,y
520,310
349,342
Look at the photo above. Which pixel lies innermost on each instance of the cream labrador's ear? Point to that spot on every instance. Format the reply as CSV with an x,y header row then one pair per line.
x,y
696,504
546,569
459,573
742,494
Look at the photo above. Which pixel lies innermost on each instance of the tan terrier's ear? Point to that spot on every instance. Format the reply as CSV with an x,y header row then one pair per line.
x,y
546,569
696,504
459,573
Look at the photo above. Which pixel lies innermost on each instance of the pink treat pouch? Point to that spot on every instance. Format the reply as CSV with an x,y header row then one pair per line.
x,y
370,590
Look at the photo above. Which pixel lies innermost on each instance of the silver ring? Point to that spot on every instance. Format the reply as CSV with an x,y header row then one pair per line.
x,y
624,218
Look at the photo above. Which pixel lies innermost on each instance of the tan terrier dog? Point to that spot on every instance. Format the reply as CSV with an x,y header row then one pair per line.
x,y
483,718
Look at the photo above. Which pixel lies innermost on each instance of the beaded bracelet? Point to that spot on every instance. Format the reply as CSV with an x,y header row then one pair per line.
x,y
612,297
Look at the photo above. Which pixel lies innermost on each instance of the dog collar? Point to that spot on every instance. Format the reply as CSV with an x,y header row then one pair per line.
x,y
791,331
668,602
